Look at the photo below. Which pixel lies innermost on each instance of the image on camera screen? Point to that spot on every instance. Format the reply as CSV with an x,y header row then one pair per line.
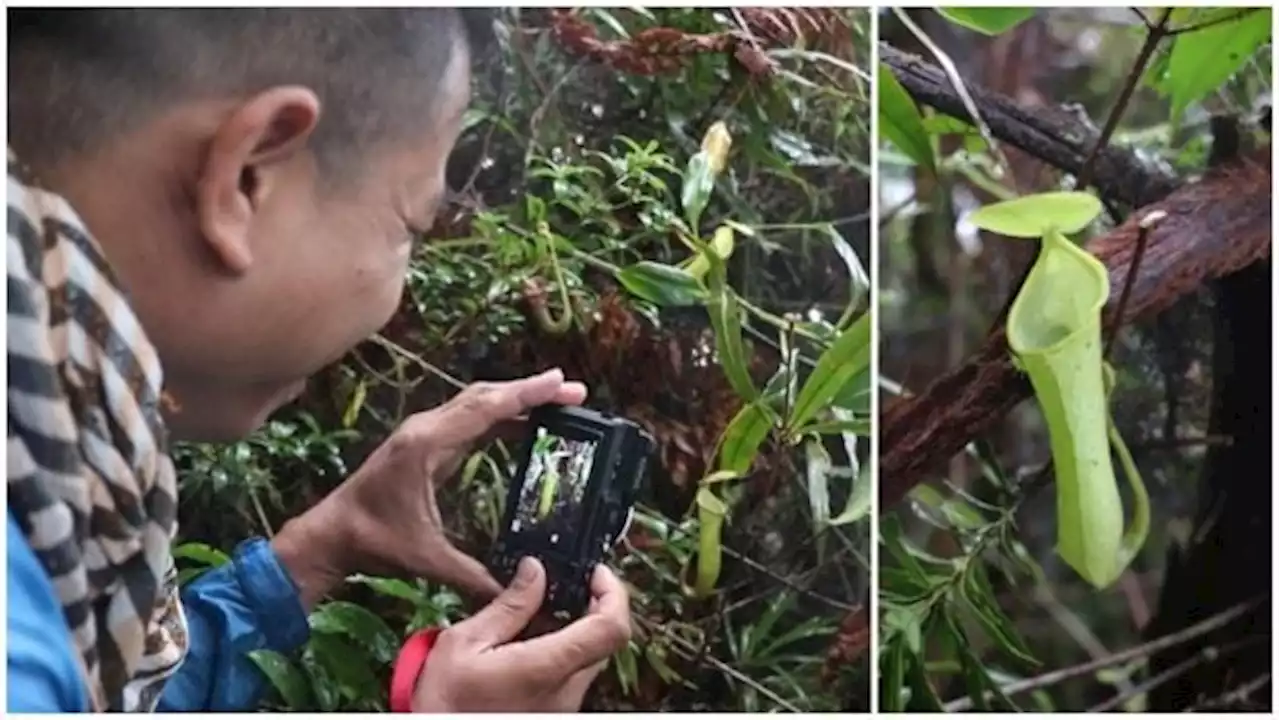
x,y
553,487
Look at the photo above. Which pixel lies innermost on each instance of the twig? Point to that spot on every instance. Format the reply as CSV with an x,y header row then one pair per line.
x,y
1206,655
1146,649
1143,17
1210,23
262,514
397,349
1155,34
1140,246
1239,695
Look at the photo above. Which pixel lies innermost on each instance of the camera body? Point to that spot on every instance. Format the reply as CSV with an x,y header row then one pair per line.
x,y
571,500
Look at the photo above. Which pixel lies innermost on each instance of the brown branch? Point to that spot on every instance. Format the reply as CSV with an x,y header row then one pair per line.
x,y
1053,135
1212,228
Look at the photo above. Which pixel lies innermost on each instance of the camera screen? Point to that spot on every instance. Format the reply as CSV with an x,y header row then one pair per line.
x,y
552,489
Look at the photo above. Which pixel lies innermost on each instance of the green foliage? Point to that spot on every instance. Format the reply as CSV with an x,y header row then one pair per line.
x,y
900,119
1201,60
988,20
345,666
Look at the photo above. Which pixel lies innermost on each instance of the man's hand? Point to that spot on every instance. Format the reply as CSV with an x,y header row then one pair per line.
x,y
477,666
384,519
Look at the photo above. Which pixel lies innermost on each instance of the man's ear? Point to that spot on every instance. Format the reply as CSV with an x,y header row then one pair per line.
x,y
242,167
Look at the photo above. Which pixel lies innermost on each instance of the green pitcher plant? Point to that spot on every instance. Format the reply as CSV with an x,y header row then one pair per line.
x,y
1055,332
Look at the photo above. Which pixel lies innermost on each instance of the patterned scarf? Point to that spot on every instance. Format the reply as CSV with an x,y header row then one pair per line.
x,y
90,481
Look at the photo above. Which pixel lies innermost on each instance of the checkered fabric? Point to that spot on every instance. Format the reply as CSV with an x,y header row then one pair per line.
x,y
90,481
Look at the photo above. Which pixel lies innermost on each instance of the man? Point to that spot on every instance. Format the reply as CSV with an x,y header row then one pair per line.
x,y
206,207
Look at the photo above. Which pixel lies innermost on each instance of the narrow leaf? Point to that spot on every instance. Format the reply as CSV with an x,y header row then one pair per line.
x,y
285,677
699,180
817,471
859,504
743,436
661,284
899,120
847,356
987,20
201,553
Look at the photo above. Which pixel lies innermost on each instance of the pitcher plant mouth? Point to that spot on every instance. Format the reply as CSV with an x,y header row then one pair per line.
x,y
1064,294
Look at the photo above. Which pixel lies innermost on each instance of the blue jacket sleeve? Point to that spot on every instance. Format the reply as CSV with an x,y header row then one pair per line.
x,y
44,673
248,604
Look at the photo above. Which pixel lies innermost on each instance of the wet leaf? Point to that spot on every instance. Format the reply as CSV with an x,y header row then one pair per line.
x,y
987,20
287,679
1202,60
660,284
900,122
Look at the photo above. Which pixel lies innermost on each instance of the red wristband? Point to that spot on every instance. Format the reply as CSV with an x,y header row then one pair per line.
x,y
408,668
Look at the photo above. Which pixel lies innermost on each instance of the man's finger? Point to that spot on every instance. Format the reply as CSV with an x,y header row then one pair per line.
x,y
472,413
503,619
594,637
459,570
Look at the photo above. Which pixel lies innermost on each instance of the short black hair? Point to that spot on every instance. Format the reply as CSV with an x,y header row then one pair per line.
x,y
78,77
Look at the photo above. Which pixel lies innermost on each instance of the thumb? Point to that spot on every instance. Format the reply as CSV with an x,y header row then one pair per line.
x,y
504,618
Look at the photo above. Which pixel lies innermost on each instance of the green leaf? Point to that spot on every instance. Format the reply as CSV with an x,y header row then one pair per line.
x,y
718,476
955,510
370,631
726,321
923,697
899,120
1035,216
855,396
743,436
858,505
817,471
978,594
289,681
858,426
1201,61
893,671
847,356
322,684
661,284
983,689
350,669
987,20
699,181
201,553
859,281
390,587
624,666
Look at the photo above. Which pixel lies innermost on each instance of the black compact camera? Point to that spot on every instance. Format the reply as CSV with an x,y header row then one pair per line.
x,y
571,500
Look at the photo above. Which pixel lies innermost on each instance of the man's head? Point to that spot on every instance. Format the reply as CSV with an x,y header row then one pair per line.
x,y
255,176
